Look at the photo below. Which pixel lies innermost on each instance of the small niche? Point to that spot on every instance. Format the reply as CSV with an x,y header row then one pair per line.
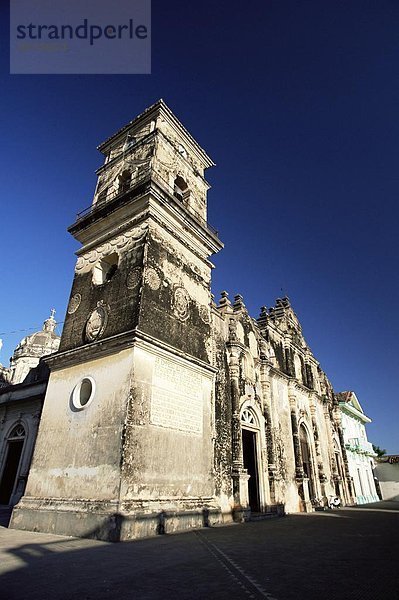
x,y
124,182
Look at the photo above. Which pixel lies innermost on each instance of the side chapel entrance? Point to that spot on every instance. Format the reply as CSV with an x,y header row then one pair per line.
x,y
15,444
249,431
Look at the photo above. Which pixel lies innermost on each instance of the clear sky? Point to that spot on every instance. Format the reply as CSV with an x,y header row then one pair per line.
x,y
297,103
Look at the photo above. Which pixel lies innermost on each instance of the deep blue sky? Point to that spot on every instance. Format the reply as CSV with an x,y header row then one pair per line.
x,y
297,103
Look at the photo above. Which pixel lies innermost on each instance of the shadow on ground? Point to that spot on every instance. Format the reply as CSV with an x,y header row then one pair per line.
x,y
344,554
384,505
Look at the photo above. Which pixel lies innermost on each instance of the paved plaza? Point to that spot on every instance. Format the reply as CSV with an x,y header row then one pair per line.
x,y
336,555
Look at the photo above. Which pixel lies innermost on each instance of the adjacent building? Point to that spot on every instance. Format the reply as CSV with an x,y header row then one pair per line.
x,y
359,450
22,391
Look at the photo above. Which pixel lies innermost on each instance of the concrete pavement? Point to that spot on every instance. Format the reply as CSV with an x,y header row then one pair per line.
x,y
339,555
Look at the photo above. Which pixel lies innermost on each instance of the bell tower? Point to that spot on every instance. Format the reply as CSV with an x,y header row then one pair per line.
x,y
125,442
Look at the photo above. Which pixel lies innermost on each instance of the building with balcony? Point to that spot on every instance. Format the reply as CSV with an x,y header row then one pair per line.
x,y
359,450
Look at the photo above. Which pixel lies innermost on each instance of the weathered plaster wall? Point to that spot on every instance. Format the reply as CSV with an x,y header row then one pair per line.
x,y
84,462
175,304
173,157
168,451
388,476
136,159
120,295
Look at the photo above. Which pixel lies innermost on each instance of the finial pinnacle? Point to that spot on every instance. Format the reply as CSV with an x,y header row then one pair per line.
x,y
50,323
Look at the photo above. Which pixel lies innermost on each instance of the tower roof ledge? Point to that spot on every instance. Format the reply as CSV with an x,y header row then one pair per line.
x,y
159,108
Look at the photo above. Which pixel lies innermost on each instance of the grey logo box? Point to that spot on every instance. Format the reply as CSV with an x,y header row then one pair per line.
x,y
80,36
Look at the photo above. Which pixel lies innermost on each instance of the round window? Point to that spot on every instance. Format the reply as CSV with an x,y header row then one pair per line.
x,y
83,393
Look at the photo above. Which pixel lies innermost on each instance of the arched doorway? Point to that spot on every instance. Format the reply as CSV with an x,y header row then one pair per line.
x,y
249,433
307,462
15,444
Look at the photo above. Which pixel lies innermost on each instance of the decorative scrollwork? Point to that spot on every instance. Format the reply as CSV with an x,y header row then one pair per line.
x,y
133,278
181,303
74,303
152,279
122,243
204,314
18,432
96,323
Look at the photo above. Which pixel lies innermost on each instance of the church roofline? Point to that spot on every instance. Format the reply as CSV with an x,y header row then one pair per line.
x,y
347,407
22,391
159,107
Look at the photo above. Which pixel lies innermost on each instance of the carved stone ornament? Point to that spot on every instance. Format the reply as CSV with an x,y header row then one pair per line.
x,y
232,330
122,243
181,303
210,350
204,314
133,278
74,303
97,322
152,279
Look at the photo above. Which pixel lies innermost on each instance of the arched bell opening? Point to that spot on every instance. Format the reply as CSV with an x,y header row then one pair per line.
x,y
124,181
181,190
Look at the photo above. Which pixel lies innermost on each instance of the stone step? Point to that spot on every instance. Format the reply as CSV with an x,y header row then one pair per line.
x,y
263,516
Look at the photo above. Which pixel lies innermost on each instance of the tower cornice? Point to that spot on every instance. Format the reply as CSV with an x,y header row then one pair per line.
x,y
131,206
158,109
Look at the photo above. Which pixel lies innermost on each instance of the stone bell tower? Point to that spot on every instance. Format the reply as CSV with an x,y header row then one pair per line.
x,y
125,442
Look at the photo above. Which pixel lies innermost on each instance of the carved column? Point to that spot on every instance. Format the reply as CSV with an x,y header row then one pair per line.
x,y
239,474
295,436
320,467
270,443
288,356
309,376
235,398
330,425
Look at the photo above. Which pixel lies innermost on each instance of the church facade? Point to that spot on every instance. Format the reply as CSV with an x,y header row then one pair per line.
x,y
165,410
